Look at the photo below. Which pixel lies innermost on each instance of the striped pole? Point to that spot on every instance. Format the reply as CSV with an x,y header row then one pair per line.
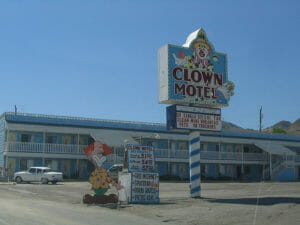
x,y
195,173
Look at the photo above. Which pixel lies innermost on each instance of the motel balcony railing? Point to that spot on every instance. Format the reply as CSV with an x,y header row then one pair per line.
x,y
118,153
211,155
24,147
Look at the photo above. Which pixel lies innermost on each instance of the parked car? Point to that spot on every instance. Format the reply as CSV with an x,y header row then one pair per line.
x,y
114,171
38,174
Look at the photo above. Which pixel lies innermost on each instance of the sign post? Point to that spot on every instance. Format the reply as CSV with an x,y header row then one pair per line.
x,y
194,78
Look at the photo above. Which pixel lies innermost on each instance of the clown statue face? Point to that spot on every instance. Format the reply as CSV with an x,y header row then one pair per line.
x,y
97,152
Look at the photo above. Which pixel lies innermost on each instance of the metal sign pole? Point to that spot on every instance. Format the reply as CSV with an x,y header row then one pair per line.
x,y
195,168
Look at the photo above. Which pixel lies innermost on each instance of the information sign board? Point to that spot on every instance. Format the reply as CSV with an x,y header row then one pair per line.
x,y
193,118
140,158
144,188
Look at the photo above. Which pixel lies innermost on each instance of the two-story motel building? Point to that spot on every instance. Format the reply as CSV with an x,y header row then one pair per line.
x,y
58,141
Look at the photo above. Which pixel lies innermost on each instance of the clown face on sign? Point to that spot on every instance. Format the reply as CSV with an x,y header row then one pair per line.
x,y
201,54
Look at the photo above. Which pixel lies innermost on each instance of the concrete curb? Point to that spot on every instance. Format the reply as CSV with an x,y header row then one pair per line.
x,y
7,183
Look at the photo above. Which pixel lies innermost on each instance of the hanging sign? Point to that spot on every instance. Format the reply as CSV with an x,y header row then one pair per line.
x,y
140,158
194,74
193,118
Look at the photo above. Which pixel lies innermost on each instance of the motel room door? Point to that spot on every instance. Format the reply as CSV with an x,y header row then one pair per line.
x,y
66,167
11,166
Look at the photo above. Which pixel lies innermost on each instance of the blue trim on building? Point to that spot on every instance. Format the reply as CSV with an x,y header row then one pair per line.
x,y
126,125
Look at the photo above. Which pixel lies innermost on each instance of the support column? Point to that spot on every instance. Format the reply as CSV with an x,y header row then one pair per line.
x,y
242,170
270,166
77,157
168,166
195,168
44,142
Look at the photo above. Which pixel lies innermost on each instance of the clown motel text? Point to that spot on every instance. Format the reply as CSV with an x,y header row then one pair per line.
x,y
185,120
196,83
145,188
140,158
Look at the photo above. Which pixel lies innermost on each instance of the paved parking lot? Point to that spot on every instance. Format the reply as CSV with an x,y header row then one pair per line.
x,y
221,203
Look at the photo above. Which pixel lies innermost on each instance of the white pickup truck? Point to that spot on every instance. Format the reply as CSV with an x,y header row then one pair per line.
x,y
42,174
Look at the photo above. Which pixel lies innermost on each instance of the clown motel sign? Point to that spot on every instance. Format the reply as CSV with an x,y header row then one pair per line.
x,y
193,118
194,74
140,158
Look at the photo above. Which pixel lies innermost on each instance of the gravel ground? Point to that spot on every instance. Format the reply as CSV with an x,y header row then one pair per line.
x,y
220,203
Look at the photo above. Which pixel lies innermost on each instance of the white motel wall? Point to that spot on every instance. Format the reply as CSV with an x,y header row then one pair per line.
x,y
58,141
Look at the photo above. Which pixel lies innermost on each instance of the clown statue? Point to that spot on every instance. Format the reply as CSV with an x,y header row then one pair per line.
x,y
99,178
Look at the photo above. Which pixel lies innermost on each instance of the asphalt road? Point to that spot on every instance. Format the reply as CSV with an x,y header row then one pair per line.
x,y
221,203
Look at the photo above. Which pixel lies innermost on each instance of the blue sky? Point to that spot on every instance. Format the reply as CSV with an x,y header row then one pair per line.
x,y
99,58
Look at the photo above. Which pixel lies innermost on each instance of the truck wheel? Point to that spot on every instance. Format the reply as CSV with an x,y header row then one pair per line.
x,y
44,181
18,180
53,182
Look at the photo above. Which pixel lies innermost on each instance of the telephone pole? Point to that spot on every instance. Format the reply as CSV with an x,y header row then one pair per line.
x,y
260,118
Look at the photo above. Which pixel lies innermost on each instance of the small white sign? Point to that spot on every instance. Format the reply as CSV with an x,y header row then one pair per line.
x,y
145,188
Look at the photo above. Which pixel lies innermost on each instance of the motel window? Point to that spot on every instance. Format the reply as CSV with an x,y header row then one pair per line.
x,y
238,148
229,148
51,139
218,170
230,170
247,169
203,147
182,146
25,137
246,149
203,171
222,170
83,140
12,137
66,140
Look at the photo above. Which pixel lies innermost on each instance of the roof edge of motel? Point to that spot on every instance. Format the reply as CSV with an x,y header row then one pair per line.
x,y
54,120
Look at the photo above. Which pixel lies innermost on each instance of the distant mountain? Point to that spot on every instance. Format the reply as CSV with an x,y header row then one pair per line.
x,y
284,125
227,126
294,129
287,126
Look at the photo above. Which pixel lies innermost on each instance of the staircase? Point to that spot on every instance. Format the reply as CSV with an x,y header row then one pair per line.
x,y
279,164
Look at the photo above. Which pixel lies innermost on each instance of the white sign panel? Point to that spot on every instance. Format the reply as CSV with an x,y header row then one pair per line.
x,y
198,121
193,118
145,188
140,158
